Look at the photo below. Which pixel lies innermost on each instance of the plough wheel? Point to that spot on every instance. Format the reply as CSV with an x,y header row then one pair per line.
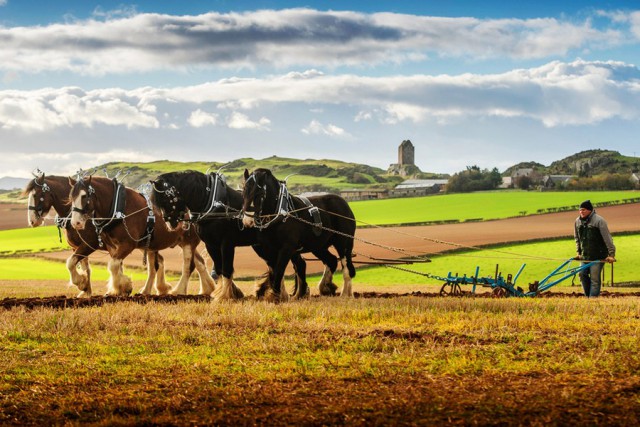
x,y
499,292
450,289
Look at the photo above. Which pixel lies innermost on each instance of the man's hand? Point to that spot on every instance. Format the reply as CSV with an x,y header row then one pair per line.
x,y
578,256
610,259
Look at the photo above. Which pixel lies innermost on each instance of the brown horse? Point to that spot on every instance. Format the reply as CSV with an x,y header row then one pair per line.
x,y
124,220
47,192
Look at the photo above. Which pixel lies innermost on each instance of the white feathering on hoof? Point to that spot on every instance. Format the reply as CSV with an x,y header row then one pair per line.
x,y
126,286
181,287
326,285
227,291
162,287
207,284
347,290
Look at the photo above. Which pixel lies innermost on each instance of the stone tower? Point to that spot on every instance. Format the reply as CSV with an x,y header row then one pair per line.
x,y
406,153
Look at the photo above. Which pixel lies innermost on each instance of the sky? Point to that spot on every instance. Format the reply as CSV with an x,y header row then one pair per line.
x,y
484,83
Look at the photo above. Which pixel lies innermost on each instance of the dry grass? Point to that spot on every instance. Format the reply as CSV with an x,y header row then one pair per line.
x,y
325,361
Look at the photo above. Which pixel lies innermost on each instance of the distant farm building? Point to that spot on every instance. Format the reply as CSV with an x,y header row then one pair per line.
x,y
418,187
364,194
552,181
521,172
507,182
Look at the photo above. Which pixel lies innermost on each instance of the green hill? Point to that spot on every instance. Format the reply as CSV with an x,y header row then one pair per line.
x,y
584,163
304,175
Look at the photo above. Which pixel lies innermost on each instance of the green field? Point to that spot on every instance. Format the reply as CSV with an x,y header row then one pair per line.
x,y
482,205
31,240
32,268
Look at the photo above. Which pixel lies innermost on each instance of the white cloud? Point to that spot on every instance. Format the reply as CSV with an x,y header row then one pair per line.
x,y
200,119
66,163
126,42
555,94
46,109
317,128
241,121
3,2
634,18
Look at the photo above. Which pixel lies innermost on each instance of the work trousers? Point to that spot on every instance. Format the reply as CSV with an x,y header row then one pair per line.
x,y
591,279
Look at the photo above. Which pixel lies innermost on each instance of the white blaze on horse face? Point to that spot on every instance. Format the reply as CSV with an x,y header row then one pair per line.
x,y
32,217
78,219
247,219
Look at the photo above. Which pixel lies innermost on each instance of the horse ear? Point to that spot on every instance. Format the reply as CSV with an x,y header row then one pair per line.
x,y
89,179
246,174
72,182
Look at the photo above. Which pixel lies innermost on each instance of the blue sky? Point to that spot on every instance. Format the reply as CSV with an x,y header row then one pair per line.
x,y
469,83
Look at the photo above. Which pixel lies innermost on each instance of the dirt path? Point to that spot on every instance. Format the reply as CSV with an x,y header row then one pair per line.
x,y
414,240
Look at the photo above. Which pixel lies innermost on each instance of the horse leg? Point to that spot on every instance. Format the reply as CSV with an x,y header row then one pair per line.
x,y
228,290
326,285
348,270
207,284
162,287
118,284
300,267
77,279
187,260
151,273
262,287
86,267
278,294
216,258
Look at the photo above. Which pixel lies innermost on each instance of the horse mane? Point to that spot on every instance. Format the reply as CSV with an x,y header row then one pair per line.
x,y
31,185
95,181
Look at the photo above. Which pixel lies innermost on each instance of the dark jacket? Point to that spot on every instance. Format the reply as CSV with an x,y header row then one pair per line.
x,y
593,239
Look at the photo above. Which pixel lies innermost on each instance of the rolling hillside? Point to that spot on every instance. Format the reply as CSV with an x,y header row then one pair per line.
x,y
584,163
304,175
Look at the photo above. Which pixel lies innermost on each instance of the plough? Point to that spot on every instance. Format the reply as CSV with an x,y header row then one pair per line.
x,y
502,286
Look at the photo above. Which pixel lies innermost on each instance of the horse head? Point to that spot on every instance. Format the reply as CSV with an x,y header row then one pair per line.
x,y
40,199
259,196
83,201
166,197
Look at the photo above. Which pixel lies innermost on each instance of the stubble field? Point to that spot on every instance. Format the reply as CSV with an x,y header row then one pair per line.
x,y
399,360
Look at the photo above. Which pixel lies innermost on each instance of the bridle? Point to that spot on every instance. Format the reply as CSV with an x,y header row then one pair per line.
x,y
257,213
39,207
90,193
283,203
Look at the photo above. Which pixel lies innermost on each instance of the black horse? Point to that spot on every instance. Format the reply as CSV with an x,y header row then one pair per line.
x,y
290,224
213,207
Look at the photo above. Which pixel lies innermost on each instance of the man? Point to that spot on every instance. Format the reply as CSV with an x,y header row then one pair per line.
x,y
593,243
